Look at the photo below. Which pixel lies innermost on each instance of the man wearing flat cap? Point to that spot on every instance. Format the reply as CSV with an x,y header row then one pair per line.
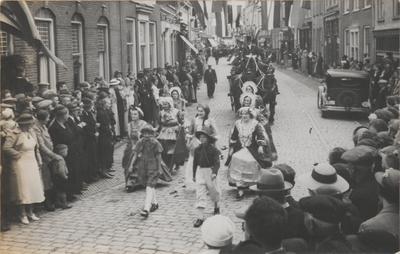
x,y
323,215
43,86
360,161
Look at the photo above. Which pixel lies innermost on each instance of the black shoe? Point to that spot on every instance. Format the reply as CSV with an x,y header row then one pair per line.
x,y
64,207
153,207
239,196
198,223
216,211
106,176
130,189
5,226
144,213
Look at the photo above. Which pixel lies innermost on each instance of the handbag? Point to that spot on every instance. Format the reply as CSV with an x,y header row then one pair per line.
x,y
164,173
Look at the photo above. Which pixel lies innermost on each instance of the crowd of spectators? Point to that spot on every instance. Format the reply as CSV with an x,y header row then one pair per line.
x,y
352,207
72,133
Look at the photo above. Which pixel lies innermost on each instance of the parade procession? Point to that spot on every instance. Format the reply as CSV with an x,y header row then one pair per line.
x,y
200,127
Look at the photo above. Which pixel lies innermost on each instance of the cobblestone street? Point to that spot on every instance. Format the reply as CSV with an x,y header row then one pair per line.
x,y
106,218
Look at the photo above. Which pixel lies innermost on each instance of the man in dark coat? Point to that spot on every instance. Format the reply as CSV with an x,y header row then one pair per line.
x,y
210,78
144,96
364,195
169,75
90,146
105,141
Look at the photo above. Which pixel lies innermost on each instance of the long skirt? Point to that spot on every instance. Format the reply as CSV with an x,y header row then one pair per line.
x,y
243,169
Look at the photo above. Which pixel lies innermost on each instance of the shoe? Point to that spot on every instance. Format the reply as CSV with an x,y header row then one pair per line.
x,y
130,189
153,207
57,205
84,188
198,223
216,211
5,226
71,198
64,207
111,170
144,213
239,196
24,220
32,217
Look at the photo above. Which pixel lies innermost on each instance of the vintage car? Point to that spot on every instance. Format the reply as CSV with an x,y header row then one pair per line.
x,y
345,91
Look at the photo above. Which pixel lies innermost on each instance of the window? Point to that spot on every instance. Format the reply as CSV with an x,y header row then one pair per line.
x,y
346,6
102,48
367,4
396,8
356,5
131,47
143,45
7,44
152,43
45,66
367,41
77,49
354,44
380,8
347,42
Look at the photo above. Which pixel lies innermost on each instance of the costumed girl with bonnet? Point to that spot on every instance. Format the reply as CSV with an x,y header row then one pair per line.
x,y
196,124
171,134
136,124
251,87
177,97
249,151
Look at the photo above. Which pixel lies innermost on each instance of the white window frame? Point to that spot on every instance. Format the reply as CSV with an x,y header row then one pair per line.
x,y
106,53
354,43
81,52
365,41
366,4
346,46
381,9
144,44
346,6
356,5
52,79
153,62
10,43
133,59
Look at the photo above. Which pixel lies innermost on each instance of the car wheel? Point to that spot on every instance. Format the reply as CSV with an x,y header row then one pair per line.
x,y
347,98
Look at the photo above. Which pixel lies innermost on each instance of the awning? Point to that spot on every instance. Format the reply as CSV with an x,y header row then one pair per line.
x,y
16,19
189,44
213,42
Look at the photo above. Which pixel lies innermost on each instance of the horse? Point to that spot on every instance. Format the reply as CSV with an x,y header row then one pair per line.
x,y
268,89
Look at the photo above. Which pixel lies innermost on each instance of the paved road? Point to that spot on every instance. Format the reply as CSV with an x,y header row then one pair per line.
x,y
106,218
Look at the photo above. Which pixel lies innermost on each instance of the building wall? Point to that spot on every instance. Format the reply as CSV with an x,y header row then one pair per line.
x,y
116,12
356,20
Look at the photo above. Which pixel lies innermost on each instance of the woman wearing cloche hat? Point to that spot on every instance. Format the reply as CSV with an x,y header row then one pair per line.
x,y
25,184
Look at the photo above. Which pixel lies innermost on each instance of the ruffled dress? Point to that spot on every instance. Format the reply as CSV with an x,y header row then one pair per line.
x,y
245,163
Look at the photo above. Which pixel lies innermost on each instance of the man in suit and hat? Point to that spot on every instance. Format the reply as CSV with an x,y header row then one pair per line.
x,y
271,184
145,94
210,78
345,63
360,161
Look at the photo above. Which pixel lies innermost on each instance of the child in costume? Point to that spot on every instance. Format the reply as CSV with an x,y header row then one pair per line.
x,y
148,153
206,163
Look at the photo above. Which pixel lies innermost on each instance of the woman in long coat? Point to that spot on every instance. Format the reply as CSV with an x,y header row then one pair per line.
x,y
47,154
62,133
26,187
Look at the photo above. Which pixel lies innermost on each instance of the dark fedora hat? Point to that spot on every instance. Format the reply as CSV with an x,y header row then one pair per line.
x,y
271,180
208,132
